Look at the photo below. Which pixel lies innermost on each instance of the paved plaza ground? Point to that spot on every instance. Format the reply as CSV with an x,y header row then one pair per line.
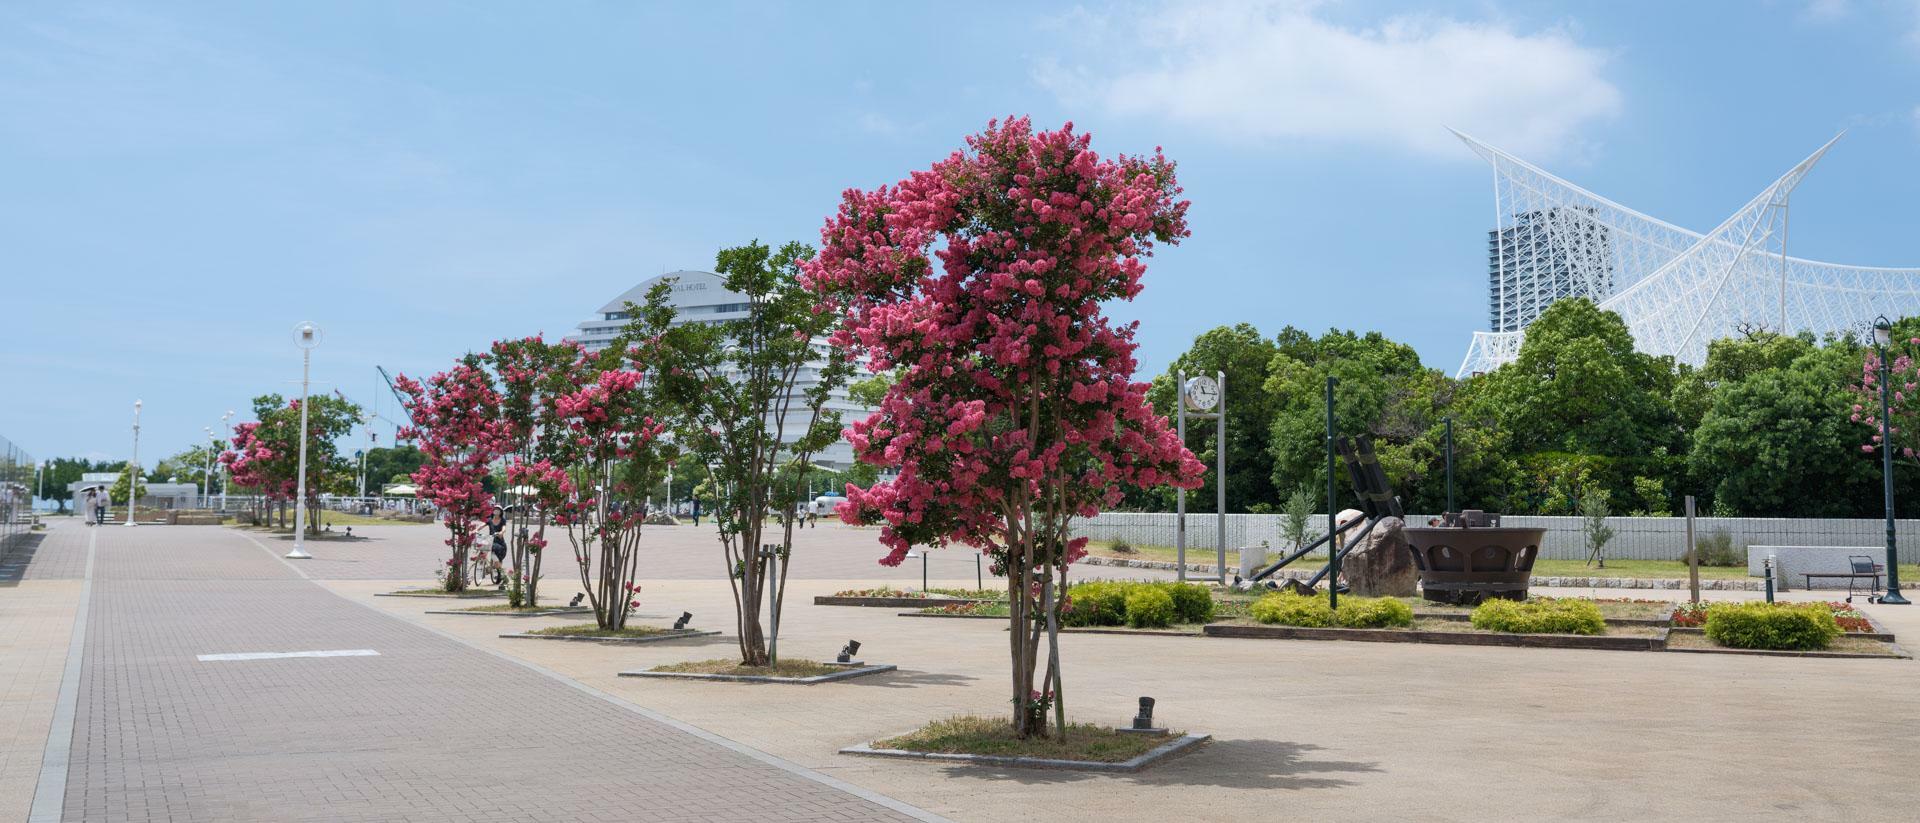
x,y
107,711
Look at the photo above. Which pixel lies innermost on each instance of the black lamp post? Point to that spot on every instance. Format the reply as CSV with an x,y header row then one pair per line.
x,y
1882,335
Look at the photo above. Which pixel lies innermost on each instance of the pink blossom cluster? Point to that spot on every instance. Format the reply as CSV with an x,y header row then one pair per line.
x,y
455,417
1903,380
1015,397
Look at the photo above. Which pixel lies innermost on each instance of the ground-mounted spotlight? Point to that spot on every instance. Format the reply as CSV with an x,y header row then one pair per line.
x,y
575,602
848,651
682,622
1143,722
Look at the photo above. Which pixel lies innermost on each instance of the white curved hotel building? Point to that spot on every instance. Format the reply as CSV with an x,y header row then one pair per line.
x,y
702,297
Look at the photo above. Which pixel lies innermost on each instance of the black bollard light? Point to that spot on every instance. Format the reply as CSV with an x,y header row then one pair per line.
x,y
682,622
848,651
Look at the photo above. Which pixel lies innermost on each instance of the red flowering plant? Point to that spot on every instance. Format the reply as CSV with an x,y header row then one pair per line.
x,y
1014,408
530,373
1903,415
604,452
455,418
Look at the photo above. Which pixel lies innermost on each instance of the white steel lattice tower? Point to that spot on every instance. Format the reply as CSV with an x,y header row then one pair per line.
x,y
1675,289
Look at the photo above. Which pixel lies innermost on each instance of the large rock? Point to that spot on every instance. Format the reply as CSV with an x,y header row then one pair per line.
x,y
1382,566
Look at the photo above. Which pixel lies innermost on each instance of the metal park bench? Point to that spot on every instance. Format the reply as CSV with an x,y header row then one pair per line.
x,y
1863,568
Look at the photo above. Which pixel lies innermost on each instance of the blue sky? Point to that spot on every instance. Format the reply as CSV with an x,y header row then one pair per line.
x,y
185,182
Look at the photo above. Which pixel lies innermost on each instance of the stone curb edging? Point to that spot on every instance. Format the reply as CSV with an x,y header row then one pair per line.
x,y
461,596
652,638
955,616
1543,581
1883,637
554,613
766,678
891,602
1551,641
1155,755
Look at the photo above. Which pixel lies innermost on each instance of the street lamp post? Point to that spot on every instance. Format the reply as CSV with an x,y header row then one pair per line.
x,y
133,467
225,473
306,336
206,478
1883,335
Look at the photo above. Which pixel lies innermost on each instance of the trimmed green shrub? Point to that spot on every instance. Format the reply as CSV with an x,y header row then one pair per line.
x,y
1540,615
1372,613
1192,603
1289,609
1095,604
1781,626
1149,607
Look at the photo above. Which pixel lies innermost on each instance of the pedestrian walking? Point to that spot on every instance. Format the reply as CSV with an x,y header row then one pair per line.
x,y
86,508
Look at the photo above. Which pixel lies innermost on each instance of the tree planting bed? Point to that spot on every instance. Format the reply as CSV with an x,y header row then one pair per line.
x,y
589,633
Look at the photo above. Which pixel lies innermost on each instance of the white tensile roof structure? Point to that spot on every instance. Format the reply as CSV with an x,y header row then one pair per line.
x,y
1676,289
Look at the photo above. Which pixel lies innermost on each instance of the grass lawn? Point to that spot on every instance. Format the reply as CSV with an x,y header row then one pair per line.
x,y
785,668
340,519
591,630
971,734
1661,568
1195,554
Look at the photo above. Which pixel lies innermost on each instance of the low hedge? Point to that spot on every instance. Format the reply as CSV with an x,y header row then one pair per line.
x,y
1149,608
1775,626
1539,615
1289,609
1111,603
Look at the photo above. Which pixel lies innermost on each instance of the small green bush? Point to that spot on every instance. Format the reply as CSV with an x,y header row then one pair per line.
x,y
1784,626
1095,604
1372,613
1149,607
1540,615
1289,609
1192,603
1716,548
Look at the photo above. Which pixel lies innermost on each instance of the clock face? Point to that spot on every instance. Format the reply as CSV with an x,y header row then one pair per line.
x,y
1202,393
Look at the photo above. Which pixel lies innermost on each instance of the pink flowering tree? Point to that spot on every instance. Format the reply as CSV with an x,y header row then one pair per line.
x,y
1903,413
455,416
531,374
1014,408
602,451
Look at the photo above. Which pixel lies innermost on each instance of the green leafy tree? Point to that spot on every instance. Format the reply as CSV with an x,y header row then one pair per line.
x,y
1243,354
1383,392
1578,388
189,466
118,492
1775,439
391,462
748,417
1296,524
62,472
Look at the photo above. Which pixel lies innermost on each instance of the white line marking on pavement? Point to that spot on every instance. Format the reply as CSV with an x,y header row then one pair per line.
x,y
283,655
722,741
50,794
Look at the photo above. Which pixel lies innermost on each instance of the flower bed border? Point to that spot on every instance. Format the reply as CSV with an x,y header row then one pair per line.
x,y
1898,652
1152,756
559,612
1654,642
891,602
665,634
845,674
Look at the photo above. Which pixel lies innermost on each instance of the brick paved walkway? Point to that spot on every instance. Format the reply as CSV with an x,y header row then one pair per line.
x,y
429,730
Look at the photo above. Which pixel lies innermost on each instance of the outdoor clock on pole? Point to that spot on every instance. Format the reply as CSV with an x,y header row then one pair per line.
x,y
1203,393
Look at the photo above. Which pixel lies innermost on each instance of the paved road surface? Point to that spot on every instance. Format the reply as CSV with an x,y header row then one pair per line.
x,y
429,729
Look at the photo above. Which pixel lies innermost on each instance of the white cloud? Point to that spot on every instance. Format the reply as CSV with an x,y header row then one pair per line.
x,y
1826,10
1280,71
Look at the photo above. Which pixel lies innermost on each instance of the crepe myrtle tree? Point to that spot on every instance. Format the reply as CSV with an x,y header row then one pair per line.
x,y
606,449
530,373
736,385
264,455
455,417
1903,412
1013,408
